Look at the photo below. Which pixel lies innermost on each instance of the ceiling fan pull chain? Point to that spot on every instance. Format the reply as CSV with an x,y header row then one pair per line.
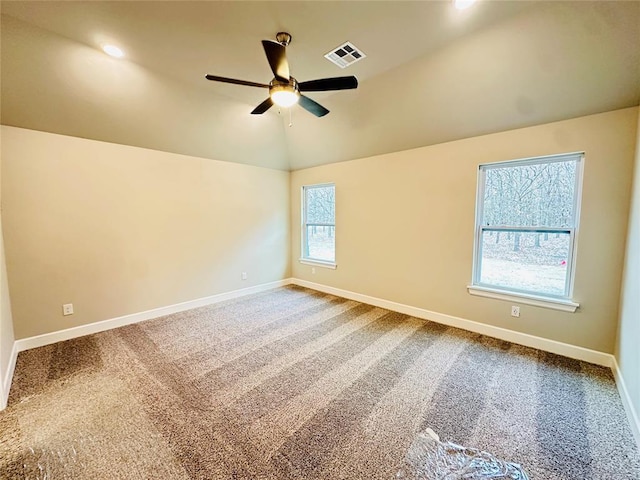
x,y
290,121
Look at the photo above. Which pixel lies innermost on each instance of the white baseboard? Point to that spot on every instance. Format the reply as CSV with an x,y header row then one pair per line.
x,y
632,415
552,346
7,376
571,351
82,330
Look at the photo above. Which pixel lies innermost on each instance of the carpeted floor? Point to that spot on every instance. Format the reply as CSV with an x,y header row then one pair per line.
x,y
295,384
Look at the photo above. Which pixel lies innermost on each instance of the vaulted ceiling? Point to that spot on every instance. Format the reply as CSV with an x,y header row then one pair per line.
x,y
432,73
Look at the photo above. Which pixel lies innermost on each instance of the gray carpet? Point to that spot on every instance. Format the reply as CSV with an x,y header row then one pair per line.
x,y
295,384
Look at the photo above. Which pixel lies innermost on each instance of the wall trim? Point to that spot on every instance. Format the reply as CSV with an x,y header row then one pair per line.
x,y
552,346
527,299
7,376
23,344
571,351
101,326
632,415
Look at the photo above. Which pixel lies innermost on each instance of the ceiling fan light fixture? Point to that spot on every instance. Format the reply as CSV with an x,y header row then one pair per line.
x,y
284,95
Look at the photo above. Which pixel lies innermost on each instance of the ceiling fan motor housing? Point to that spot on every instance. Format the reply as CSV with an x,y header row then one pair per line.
x,y
291,85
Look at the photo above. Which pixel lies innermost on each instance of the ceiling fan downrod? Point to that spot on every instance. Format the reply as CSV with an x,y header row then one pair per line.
x,y
283,38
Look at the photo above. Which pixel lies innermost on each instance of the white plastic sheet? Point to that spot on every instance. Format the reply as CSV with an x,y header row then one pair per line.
x,y
430,459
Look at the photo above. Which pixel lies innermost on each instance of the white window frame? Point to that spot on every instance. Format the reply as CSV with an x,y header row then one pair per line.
x,y
558,302
304,247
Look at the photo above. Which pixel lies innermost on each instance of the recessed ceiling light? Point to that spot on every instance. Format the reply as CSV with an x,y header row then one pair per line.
x,y
462,4
113,51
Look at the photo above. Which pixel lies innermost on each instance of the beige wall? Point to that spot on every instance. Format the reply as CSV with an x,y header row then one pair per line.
x,y
405,225
117,230
627,348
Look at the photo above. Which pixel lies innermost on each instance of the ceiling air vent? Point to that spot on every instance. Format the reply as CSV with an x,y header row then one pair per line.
x,y
345,55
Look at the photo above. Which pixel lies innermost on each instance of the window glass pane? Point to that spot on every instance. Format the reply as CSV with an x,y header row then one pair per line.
x,y
530,195
533,262
321,242
320,204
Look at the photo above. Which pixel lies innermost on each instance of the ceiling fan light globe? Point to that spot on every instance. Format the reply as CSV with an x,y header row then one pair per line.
x,y
284,97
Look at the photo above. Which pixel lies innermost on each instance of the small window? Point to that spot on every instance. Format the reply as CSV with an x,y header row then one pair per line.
x,y
319,224
526,221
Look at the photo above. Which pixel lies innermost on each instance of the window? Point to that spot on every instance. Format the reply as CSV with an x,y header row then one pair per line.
x,y
319,224
526,220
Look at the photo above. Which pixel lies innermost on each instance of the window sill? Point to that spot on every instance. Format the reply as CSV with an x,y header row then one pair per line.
x,y
318,263
544,302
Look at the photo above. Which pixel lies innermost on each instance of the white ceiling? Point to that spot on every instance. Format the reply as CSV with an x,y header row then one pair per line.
x,y
432,73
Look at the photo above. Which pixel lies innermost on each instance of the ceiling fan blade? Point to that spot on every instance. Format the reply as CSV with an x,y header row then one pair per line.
x,y
235,81
263,107
325,84
277,57
312,106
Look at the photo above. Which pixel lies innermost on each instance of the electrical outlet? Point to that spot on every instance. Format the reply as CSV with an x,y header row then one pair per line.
x,y
313,270
244,275
67,309
515,311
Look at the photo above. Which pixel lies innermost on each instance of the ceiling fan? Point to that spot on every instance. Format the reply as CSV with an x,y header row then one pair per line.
x,y
284,90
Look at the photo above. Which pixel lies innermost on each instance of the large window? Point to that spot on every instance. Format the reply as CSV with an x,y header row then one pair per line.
x,y
526,220
319,224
